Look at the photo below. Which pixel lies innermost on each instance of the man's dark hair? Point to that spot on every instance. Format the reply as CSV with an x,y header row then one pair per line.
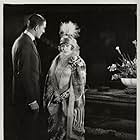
x,y
35,20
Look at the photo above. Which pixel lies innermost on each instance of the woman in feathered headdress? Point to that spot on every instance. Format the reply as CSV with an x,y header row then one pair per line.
x,y
64,92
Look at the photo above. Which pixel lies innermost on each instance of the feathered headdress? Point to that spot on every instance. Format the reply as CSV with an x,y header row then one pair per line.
x,y
69,29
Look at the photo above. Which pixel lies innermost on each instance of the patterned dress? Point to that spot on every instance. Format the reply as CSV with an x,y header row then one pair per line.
x,y
66,79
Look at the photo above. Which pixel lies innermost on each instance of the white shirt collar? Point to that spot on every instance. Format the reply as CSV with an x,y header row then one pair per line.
x,y
30,35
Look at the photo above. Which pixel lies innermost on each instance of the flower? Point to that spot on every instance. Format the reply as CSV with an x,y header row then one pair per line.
x,y
127,68
118,49
113,67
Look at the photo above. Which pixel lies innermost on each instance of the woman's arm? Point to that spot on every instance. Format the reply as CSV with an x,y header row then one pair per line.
x,y
79,78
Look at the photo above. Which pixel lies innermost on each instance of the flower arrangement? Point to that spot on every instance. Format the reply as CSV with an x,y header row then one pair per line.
x,y
127,68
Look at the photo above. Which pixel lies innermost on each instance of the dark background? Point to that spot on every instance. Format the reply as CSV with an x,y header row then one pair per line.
x,y
102,28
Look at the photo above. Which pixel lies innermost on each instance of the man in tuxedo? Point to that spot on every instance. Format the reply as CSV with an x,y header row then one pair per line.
x,y
26,78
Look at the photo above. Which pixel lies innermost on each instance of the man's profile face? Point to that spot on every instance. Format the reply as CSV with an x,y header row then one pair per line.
x,y
40,29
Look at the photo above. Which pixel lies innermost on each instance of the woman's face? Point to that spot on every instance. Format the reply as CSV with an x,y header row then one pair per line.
x,y
66,48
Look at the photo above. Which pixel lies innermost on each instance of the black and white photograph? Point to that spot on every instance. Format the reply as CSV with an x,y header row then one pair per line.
x,y
70,71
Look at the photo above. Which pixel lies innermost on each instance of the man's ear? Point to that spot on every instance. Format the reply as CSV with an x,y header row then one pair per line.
x,y
36,27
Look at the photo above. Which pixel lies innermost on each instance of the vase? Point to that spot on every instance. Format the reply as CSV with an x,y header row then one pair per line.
x,y
129,82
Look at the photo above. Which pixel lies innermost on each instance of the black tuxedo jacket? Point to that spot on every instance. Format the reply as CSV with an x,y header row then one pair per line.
x,y
26,71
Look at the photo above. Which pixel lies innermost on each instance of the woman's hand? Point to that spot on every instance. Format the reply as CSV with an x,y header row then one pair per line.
x,y
57,97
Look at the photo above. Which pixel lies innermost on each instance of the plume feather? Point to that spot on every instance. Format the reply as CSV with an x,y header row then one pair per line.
x,y
69,29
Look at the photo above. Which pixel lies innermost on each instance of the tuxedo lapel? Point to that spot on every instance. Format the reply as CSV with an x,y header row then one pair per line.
x,y
33,45
35,49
